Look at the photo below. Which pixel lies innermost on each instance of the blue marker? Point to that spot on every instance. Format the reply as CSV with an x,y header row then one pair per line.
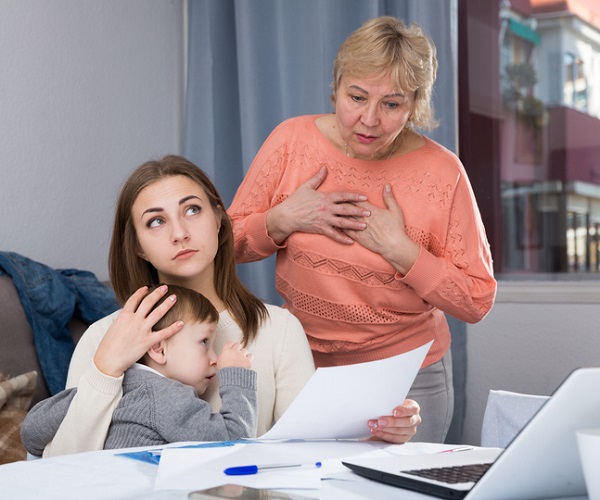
x,y
245,470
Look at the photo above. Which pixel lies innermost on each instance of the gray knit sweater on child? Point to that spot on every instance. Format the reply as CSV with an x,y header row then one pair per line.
x,y
156,410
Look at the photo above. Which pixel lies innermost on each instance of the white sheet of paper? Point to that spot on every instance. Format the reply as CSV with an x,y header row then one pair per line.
x,y
337,402
195,469
199,468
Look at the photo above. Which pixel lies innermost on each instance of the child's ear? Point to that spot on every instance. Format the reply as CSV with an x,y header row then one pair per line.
x,y
158,352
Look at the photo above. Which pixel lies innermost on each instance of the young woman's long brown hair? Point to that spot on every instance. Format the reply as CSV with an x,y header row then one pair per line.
x,y
128,271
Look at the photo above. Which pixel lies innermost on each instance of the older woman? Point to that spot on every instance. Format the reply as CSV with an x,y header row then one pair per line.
x,y
375,226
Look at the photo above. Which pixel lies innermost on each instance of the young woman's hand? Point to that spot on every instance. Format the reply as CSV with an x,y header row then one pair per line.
x,y
131,335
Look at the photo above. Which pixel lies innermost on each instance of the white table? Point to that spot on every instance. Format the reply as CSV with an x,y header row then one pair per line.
x,y
102,475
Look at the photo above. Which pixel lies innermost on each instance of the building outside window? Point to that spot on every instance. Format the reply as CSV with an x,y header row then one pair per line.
x,y
529,132
575,90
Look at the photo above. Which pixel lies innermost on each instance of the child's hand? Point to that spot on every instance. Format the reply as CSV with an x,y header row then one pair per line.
x,y
233,354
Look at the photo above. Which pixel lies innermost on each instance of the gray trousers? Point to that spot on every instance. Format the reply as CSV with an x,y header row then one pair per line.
x,y
433,390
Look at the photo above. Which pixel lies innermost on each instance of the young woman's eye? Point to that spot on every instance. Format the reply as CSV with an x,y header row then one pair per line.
x,y
204,342
192,210
155,222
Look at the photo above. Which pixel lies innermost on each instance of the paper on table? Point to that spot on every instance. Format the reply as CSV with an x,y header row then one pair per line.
x,y
199,468
337,401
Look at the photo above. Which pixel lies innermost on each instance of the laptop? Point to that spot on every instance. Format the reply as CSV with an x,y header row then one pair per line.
x,y
542,461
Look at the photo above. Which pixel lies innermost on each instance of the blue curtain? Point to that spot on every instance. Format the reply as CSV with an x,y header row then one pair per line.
x,y
254,63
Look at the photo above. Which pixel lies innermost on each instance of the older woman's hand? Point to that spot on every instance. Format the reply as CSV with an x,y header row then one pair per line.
x,y
385,233
307,210
131,334
401,426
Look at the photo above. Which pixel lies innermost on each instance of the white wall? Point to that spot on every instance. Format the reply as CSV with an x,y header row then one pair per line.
x,y
89,90
534,336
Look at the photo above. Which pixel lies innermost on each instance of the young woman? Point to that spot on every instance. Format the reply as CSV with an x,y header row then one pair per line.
x,y
171,227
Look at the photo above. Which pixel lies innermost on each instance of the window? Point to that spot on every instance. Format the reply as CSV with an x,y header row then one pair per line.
x,y
529,134
575,89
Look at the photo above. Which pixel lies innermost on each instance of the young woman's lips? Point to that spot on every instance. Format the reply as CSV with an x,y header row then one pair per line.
x,y
184,254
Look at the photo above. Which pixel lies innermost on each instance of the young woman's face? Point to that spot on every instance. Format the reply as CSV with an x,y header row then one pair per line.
x,y
177,231
370,114
190,357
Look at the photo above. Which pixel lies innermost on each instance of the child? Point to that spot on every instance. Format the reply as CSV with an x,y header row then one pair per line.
x,y
160,402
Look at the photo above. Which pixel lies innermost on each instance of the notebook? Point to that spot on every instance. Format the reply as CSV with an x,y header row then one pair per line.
x,y
542,461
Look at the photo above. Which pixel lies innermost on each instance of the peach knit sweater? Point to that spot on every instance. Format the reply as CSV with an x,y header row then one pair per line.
x,y
352,303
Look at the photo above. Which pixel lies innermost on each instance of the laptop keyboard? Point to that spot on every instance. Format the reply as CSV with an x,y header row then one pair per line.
x,y
453,475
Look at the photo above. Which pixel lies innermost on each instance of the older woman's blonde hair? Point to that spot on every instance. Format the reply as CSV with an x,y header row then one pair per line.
x,y
386,45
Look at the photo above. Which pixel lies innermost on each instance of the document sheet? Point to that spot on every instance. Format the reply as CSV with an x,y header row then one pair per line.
x,y
337,402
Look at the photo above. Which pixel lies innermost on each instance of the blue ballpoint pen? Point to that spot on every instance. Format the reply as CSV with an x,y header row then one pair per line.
x,y
245,470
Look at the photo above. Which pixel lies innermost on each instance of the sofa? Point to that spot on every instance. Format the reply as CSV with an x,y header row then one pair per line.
x,y
18,353
21,382
49,295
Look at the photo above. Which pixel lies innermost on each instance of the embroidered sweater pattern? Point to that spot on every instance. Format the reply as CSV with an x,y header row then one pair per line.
x,y
353,304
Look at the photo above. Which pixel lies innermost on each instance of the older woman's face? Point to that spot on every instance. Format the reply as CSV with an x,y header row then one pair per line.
x,y
371,113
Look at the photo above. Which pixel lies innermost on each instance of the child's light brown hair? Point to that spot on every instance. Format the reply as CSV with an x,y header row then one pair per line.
x,y
190,306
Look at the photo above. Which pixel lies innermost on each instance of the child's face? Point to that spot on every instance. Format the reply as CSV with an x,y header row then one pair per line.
x,y
191,358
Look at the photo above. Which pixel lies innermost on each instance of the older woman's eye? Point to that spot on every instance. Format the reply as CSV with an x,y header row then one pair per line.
x,y
357,98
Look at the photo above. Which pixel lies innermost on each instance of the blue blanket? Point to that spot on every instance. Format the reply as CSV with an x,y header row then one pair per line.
x,y
50,298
